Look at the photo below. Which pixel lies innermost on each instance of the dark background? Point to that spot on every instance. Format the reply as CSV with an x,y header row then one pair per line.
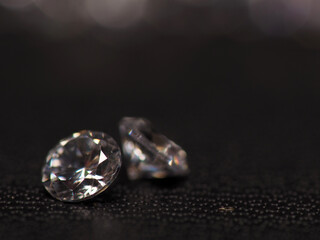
x,y
244,105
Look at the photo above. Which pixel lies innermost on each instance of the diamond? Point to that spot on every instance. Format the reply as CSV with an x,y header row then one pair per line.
x,y
81,166
148,153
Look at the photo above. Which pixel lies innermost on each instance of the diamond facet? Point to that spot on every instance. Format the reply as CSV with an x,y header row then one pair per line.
x,y
148,153
81,166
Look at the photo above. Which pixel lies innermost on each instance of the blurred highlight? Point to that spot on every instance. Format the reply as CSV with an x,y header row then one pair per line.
x,y
219,17
116,13
279,17
16,4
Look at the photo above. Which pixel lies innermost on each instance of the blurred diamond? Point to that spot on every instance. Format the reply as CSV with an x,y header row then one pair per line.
x,y
150,154
81,166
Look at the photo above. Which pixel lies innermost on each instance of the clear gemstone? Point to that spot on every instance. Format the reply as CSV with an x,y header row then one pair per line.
x,y
148,153
81,166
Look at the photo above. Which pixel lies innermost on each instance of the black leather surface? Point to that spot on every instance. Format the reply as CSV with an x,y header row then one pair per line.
x,y
246,113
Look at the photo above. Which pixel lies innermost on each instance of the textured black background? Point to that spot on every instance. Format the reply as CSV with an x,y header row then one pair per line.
x,y
247,113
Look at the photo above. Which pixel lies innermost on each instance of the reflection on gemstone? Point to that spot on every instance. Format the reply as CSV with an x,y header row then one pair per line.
x,y
150,154
81,166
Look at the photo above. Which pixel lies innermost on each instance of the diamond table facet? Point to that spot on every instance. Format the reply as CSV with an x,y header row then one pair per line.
x,y
148,153
81,166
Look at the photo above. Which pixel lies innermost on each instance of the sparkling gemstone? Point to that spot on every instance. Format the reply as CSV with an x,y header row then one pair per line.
x,y
81,166
148,153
